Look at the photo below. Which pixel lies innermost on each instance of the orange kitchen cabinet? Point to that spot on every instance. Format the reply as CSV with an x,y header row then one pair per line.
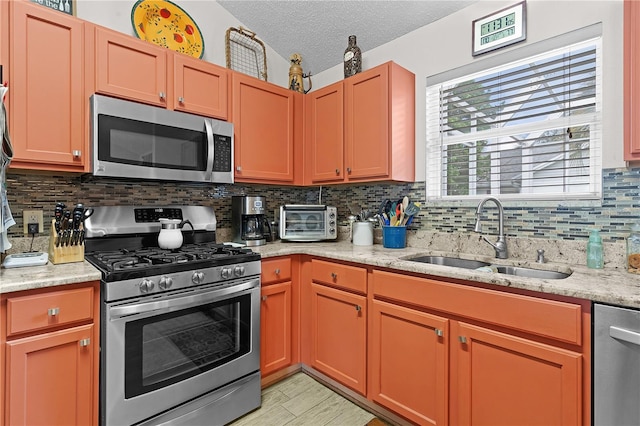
x,y
338,334
497,378
631,80
275,327
265,135
49,355
46,101
137,70
409,362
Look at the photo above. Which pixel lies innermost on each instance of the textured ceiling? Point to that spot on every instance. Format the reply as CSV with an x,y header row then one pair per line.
x,y
318,30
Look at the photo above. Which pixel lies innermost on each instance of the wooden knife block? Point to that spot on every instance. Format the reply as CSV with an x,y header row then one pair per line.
x,y
63,254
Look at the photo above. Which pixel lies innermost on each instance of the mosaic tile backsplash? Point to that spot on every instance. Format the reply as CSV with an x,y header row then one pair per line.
x,y
620,205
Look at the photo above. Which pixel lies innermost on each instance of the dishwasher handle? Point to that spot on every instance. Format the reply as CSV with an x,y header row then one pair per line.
x,y
625,335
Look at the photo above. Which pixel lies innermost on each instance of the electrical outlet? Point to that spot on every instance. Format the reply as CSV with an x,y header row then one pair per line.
x,y
32,216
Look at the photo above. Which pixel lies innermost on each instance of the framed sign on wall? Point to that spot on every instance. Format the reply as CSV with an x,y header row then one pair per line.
x,y
64,6
499,29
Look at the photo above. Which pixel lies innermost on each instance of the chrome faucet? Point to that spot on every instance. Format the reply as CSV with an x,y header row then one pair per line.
x,y
501,245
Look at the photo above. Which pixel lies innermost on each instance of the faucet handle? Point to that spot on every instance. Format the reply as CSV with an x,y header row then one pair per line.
x,y
541,258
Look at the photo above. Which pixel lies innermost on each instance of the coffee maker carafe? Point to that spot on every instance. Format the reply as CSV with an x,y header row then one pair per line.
x,y
248,220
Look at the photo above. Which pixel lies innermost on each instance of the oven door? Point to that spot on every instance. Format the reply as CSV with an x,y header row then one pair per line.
x,y
160,352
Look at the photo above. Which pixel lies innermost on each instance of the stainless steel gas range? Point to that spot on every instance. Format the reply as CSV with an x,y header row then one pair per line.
x,y
179,328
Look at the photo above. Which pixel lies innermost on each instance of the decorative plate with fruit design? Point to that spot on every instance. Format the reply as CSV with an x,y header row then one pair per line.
x,y
166,24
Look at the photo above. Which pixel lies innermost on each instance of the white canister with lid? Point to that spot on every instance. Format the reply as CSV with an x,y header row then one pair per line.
x,y
362,233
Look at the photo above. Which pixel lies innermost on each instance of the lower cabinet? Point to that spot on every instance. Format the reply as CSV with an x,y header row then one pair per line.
x,y
339,323
49,355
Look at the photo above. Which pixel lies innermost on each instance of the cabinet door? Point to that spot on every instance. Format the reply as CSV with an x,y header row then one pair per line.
x,y
631,80
130,68
50,378
408,358
263,118
325,137
338,335
199,87
499,379
46,101
275,328
367,124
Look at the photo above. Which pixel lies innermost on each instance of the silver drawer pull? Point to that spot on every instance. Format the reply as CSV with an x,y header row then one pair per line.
x,y
625,335
462,339
85,342
439,332
53,312
334,276
358,308
180,99
238,169
264,298
277,271
162,95
76,153
337,172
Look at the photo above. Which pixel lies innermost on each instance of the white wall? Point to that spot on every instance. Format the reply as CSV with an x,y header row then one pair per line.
x,y
212,19
446,44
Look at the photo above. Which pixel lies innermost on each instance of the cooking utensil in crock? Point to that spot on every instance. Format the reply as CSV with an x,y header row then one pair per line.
x,y
170,236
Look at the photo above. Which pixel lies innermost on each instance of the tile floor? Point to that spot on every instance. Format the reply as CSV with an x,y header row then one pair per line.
x,y
301,400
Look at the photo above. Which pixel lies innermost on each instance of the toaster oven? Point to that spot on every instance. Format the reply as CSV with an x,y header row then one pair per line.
x,y
303,222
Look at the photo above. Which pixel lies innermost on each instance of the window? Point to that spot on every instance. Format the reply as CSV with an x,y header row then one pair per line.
x,y
527,130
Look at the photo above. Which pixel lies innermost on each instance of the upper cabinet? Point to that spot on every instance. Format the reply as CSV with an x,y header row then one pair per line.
x,y
631,80
267,123
140,71
373,139
46,80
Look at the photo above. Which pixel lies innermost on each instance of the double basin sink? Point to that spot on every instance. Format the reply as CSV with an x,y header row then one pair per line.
x,y
490,267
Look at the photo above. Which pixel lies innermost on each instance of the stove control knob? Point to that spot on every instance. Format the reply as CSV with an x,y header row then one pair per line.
x,y
165,283
226,273
238,271
197,277
146,286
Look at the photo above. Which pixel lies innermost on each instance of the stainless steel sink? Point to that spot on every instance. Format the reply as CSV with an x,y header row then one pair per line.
x,y
450,261
531,272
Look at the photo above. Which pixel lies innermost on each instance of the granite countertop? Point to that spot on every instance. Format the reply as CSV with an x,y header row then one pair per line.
x,y
608,285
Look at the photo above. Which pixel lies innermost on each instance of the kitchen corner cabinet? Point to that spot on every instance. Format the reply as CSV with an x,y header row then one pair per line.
x,y
339,323
276,329
264,118
46,87
374,138
50,356
631,80
137,70
512,358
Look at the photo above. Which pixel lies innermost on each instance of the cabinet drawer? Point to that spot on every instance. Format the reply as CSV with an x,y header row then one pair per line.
x,y
343,276
276,270
548,318
47,310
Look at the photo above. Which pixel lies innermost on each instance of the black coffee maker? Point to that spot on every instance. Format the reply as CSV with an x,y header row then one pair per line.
x,y
249,223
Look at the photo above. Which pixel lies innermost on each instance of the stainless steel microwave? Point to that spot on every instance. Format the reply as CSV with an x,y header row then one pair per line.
x,y
141,141
302,222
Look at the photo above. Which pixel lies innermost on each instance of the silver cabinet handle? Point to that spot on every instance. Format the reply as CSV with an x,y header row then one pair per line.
x,y
264,298
439,332
462,339
53,311
334,276
238,168
180,99
76,153
625,335
358,308
85,342
277,271
337,172
348,169
162,95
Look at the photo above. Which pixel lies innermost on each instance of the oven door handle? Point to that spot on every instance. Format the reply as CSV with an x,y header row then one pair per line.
x,y
182,301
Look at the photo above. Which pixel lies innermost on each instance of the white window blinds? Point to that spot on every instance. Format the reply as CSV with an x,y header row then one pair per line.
x,y
530,129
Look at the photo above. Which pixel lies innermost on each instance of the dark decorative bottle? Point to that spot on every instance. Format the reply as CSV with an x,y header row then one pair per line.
x,y
352,58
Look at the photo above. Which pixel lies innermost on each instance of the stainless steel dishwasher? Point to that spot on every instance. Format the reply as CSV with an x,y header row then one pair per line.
x,y
616,366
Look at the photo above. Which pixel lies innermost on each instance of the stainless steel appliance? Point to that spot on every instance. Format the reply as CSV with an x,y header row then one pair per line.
x,y
180,329
299,222
616,365
249,224
142,141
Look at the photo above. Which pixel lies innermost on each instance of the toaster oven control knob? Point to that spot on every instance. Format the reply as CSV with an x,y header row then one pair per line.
x,y
226,273
165,283
332,216
238,271
146,286
197,277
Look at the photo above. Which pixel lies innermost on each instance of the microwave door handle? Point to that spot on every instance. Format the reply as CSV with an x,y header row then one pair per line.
x,y
180,302
210,148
